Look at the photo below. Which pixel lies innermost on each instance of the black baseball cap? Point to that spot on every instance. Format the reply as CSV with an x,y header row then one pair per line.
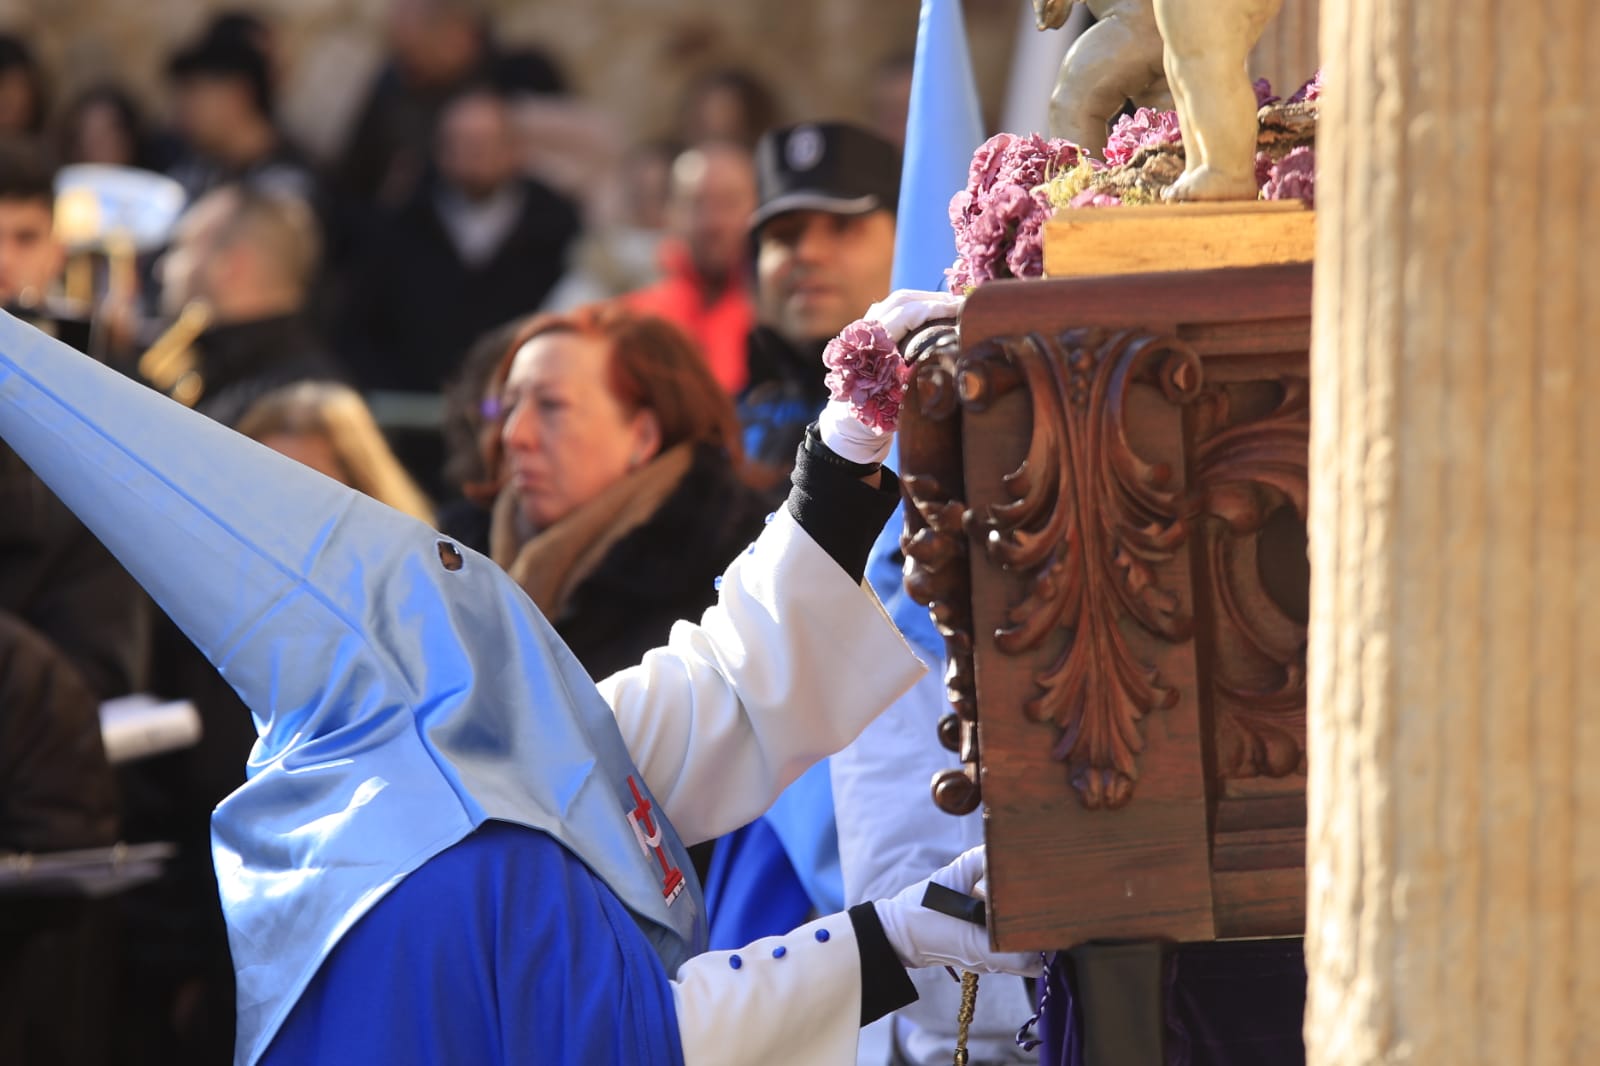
x,y
825,166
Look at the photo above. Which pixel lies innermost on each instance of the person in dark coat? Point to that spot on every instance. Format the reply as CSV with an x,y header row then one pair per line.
x,y
619,450
478,245
224,95
245,257
73,632
437,49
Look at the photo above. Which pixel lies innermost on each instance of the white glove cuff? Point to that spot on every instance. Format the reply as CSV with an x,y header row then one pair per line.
x,y
847,438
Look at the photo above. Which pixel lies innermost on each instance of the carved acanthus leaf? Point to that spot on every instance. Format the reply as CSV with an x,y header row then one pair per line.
x,y
1090,523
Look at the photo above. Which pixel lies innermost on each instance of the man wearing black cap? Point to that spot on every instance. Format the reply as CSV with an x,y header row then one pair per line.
x,y
223,95
824,237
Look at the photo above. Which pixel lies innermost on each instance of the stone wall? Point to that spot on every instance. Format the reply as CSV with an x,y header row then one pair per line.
x,y
630,56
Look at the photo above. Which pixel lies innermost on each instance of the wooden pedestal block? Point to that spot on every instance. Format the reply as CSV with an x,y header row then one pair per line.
x,y
1113,241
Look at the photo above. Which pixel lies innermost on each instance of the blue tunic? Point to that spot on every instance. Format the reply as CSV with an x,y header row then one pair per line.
x,y
501,949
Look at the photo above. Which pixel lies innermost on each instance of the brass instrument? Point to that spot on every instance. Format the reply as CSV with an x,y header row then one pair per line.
x,y
111,215
170,364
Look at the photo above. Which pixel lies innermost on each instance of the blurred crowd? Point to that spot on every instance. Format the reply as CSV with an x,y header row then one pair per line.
x,y
590,360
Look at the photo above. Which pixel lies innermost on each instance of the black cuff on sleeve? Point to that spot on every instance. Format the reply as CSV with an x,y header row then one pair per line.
x,y
885,985
841,512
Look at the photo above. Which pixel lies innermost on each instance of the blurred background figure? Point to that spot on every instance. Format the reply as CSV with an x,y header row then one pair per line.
x,y
437,48
223,100
102,124
706,258
478,245
30,256
619,450
326,426
726,104
23,100
625,224
74,631
243,258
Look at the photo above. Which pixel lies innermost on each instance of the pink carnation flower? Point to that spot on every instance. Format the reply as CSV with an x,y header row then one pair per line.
x,y
1294,177
1310,92
1144,128
987,161
1026,257
958,277
998,219
865,370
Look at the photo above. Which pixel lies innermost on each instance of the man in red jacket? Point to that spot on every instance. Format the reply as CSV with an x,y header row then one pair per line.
x,y
705,287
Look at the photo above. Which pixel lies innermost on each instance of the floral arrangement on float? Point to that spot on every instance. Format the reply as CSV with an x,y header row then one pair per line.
x,y
1016,184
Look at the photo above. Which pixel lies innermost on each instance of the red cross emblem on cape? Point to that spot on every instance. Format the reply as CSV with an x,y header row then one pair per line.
x,y
648,833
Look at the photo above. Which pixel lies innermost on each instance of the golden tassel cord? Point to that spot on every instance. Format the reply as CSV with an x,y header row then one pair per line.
x,y
969,1007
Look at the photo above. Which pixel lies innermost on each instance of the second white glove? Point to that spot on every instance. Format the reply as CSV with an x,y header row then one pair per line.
x,y
921,936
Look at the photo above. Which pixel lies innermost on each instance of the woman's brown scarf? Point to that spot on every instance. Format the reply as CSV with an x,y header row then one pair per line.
x,y
550,564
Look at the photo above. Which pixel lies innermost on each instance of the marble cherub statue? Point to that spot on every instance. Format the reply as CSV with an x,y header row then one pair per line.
x,y
1207,52
1140,50
1117,59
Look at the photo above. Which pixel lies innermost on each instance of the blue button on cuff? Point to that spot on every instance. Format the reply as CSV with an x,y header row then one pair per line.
x,y
779,952
822,936
735,961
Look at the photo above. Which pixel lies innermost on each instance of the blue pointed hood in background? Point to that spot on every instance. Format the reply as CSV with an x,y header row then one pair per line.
x,y
404,690
944,127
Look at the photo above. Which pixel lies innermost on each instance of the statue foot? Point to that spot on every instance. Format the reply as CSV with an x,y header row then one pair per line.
x,y
1209,183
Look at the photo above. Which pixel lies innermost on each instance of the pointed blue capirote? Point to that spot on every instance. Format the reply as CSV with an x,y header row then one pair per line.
x,y
943,128
400,703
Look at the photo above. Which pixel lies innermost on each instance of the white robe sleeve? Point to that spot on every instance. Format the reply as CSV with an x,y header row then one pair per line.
x,y
787,668
781,1000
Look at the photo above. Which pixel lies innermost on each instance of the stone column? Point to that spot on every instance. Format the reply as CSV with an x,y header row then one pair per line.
x,y
1454,721
1286,55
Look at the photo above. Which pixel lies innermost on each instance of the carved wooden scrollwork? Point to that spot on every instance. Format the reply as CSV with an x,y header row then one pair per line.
x,y
1089,523
935,545
1250,474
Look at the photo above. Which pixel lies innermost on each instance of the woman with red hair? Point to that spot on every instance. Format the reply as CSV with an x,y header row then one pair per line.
x,y
618,452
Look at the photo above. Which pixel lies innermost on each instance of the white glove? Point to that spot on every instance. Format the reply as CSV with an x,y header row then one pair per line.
x,y
921,936
900,313
904,311
847,438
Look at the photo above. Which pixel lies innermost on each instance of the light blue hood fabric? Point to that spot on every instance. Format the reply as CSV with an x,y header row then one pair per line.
x,y
399,704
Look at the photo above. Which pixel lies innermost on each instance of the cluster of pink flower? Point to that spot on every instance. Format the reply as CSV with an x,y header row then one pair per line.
x,y
1294,177
1145,128
999,217
866,370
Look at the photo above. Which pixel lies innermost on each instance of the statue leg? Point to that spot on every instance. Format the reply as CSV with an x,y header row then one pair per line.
x,y
1207,48
1114,60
